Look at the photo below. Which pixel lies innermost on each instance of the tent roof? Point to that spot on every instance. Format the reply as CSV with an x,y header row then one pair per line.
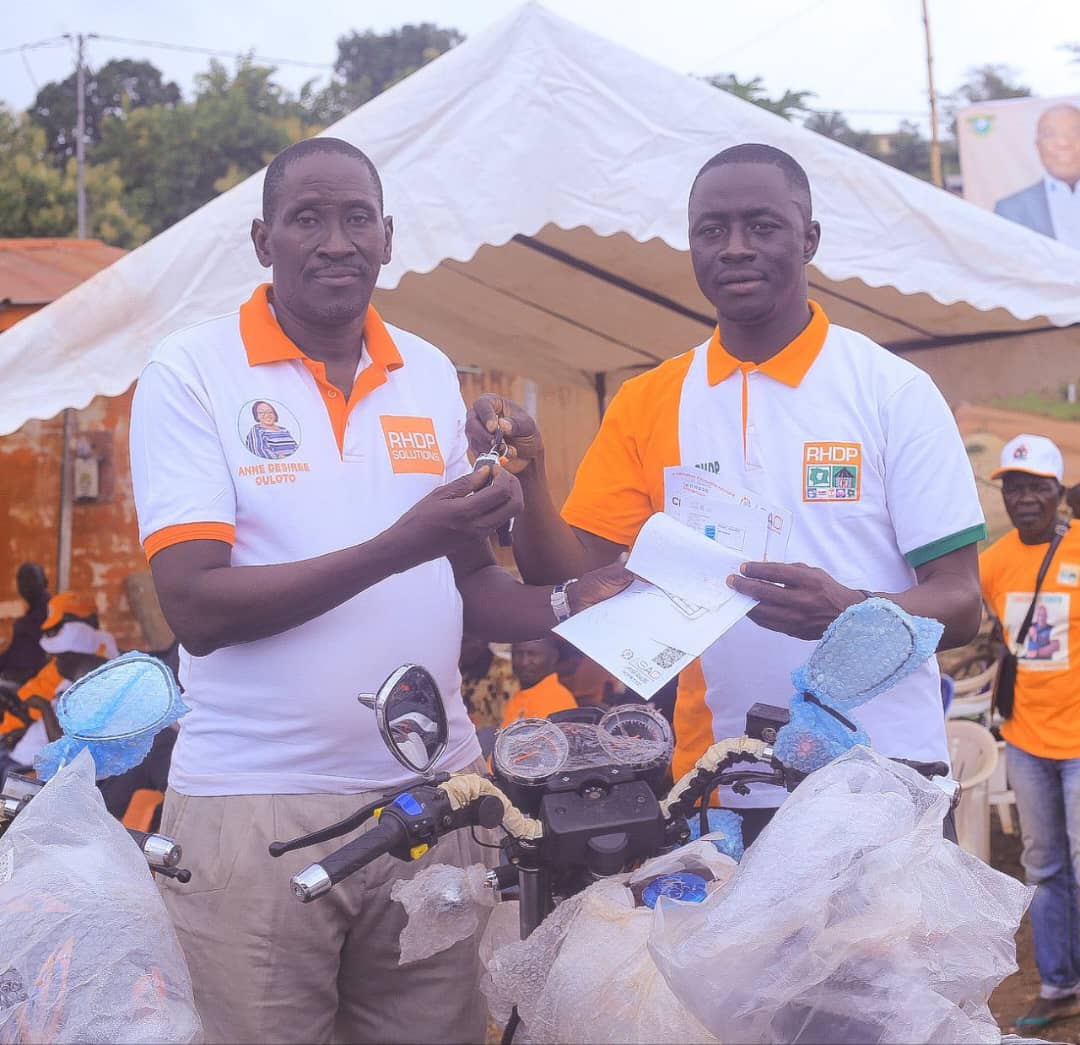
x,y
538,176
37,271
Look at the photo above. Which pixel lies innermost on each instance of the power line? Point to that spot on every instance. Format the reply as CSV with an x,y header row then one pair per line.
x,y
214,53
52,41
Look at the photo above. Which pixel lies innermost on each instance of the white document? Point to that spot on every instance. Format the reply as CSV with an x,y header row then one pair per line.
x,y
645,637
713,507
690,566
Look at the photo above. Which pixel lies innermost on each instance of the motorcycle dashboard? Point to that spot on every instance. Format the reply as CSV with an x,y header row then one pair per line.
x,y
531,750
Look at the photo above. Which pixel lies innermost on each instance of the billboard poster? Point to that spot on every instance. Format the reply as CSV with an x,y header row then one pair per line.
x,y
1021,159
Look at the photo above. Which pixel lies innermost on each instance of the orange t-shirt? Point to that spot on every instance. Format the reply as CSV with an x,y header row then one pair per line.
x,y
545,698
43,684
1046,714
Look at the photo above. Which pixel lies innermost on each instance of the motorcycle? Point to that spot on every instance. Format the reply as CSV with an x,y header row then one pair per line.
x,y
581,799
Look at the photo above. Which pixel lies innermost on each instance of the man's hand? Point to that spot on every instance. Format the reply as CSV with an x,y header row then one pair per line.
x,y
491,414
460,514
798,600
598,585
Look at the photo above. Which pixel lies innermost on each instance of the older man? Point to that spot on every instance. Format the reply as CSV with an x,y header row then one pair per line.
x,y
1052,205
855,443
296,581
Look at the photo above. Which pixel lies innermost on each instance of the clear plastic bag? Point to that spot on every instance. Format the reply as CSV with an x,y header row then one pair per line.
x,y
87,952
851,919
445,905
586,974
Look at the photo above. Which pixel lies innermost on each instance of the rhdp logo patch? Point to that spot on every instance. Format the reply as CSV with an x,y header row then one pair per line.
x,y
1069,574
412,445
832,471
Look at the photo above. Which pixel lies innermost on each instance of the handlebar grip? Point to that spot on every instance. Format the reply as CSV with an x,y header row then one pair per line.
x,y
387,835
159,850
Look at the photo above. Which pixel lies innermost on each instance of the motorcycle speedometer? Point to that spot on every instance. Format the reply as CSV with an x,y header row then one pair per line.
x,y
636,735
530,750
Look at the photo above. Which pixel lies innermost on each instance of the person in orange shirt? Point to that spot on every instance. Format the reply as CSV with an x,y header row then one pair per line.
x,y
536,667
71,630
1043,732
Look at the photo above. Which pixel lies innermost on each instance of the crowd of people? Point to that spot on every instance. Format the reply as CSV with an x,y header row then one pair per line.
x,y
289,598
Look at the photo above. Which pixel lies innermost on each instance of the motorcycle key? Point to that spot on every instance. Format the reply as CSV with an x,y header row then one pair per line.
x,y
494,457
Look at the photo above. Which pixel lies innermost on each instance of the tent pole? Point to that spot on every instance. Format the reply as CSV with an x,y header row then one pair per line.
x,y
600,384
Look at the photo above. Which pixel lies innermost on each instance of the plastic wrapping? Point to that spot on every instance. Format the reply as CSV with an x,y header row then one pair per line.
x,y
114,712
851,919
87,952
586,974
725,832
868,649
444,905
812,737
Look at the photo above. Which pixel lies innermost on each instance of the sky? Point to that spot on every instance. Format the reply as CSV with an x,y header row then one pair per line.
x,y
865,58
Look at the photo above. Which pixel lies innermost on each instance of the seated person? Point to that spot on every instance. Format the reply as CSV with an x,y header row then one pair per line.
x,y
69,665
24,657
536,666
487,682
71,627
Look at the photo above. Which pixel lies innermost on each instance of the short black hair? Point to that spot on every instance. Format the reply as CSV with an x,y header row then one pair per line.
x,y
756,152
263,402
310,147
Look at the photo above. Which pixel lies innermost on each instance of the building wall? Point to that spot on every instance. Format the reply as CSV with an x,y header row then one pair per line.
x,y
104,536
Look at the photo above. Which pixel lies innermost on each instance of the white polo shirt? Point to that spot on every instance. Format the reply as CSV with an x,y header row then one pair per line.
x,y
237,436
857,443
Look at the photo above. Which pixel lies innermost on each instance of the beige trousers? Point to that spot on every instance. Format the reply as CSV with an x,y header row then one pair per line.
x,y
267,968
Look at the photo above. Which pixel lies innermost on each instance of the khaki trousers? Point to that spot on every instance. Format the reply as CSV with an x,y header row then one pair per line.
x,y
267,968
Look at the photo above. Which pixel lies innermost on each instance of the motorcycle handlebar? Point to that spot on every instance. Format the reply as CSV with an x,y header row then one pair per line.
x,y
159,850
319,878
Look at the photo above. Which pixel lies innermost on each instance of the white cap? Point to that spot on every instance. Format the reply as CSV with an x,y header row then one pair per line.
x,y
1034,454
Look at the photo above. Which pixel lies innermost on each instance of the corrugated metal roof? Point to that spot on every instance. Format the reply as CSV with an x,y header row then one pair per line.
x,y
37,271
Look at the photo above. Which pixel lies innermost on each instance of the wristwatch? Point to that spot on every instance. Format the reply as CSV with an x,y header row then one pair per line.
x,y
560,601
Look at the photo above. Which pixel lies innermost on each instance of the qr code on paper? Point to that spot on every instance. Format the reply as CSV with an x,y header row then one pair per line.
x,y
668,657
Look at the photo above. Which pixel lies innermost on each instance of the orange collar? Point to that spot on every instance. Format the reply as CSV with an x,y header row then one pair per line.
x,y
265,341
789,365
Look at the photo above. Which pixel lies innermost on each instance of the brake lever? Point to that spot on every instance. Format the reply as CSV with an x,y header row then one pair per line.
x,y
350,823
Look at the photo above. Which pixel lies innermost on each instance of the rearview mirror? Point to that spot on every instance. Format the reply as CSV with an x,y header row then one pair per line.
x,y
115,711
411,717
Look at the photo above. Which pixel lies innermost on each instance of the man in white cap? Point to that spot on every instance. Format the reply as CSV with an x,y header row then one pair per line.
x,y
1041,624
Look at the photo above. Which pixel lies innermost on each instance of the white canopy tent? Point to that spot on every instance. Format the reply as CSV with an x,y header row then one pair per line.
x,y
538,176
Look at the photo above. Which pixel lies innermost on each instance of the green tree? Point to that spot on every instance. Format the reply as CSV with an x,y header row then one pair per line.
x,y
37,199
789,104
834,125
111,92
368,63
176,158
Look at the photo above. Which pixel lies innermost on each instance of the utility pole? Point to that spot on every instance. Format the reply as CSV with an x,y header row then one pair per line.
x,y
80,134
63,538
935,142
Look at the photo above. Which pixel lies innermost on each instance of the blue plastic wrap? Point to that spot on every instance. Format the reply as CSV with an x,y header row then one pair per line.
x,y
725,832
813,738
114,712
868,649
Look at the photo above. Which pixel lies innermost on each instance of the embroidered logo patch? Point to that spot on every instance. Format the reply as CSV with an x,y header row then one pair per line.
x,y
1069,573
412,445
832,471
